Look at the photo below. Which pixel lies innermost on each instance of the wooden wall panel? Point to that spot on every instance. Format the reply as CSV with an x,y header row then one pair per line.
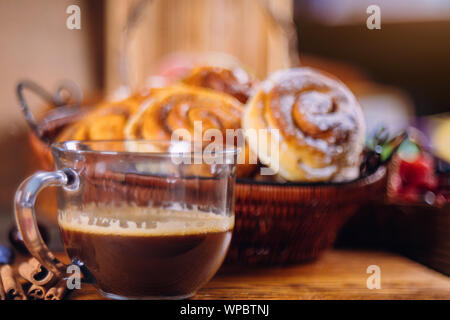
x,y
238,27
36,44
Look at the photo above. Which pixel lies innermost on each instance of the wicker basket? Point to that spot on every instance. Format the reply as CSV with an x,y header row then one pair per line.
x,y
288,223
275,223
418,229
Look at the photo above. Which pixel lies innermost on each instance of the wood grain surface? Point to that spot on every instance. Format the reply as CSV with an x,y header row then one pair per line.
x,y
338,274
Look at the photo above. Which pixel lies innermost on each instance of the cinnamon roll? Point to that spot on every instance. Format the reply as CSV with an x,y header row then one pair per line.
x,y
190,109
236,81
314,119
106,122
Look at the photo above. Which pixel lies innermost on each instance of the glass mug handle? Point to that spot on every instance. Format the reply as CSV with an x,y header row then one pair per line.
x,y
24,202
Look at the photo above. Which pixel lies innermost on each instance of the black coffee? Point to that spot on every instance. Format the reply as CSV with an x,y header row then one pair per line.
x,y
170,254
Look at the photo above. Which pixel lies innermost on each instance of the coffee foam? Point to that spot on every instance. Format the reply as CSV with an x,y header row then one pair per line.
x,y
142,221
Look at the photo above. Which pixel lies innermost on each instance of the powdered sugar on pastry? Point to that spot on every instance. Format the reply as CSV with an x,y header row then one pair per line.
x,y
320,122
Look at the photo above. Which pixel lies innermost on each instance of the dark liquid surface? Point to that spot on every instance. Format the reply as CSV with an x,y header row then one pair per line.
x,y
148,265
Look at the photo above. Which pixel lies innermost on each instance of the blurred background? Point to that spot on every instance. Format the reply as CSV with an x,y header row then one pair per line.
x,y
399,73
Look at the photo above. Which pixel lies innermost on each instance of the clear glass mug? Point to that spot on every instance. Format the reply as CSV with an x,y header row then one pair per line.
x,y
144,219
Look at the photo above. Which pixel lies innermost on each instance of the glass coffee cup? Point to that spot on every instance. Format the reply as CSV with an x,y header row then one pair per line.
x,y
145,219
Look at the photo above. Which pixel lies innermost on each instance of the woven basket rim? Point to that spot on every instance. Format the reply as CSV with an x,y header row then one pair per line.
x,y
379,173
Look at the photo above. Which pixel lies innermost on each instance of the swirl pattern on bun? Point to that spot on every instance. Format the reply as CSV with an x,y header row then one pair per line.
x,y
235,81
178,107
192,109
318,124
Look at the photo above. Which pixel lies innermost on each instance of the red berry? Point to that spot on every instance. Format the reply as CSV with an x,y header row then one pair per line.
x,y
410,194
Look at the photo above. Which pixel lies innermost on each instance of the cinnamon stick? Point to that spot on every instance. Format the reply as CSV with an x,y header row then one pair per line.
x,y
36,292
13,290
34,272
58,291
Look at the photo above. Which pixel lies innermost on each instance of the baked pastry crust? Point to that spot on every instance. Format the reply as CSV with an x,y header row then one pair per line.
x,y
175,109
235,81
314,119
105,122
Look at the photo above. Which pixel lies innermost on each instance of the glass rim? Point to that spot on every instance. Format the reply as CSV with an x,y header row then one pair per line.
x,y
70,146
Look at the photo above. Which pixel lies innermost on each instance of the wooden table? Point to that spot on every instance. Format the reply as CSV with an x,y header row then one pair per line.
x,y
339,274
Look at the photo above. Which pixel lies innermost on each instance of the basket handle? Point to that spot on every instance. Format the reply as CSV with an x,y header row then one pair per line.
x,y
68,93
